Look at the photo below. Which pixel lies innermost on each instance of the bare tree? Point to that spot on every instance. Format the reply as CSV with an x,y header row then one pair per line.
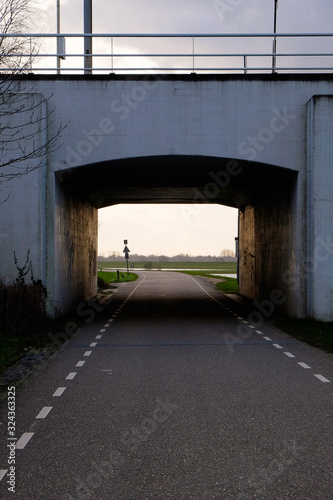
x,y
16,17
226,252
24,115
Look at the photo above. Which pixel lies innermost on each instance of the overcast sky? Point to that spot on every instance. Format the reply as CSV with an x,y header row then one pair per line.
x,y
172,229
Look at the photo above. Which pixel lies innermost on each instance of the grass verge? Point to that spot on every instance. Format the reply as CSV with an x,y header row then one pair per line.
x,y
226,285
111,277
315,333
19,342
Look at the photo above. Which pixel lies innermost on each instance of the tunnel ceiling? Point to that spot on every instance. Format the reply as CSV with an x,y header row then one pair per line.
x,y
174,179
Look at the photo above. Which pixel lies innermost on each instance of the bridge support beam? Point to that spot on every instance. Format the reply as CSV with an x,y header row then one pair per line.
x,y
268,250
319,262
72,247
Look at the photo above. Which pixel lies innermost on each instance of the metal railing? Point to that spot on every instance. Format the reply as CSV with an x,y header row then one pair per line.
x,y
226,62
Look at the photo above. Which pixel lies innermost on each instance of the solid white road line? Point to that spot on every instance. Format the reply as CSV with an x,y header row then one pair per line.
x,y
59,391
304,365
80,363
322,379
44,412
71,375
87,353
3,473
24,440
289,354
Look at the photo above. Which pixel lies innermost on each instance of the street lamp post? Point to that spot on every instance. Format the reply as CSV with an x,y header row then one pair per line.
x,y
58,39
61,42
87,39
274,41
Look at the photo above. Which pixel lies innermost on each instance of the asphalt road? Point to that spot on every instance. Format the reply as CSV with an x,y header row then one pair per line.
x,y
170,392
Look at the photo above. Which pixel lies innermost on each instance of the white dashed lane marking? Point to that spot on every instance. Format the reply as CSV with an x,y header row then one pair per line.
x,y
289,354
24,440
278,346
93,344
304,365
3,473
59,392
268,339
87,353
80,363
44,412
322,379
98,337
71,375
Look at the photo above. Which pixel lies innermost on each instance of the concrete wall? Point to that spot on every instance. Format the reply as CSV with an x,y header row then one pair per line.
x,y
75,241
271,120
23,198
318,267
268,250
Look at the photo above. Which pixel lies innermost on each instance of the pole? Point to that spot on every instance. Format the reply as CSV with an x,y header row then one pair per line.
x,y
58,39
87,39
274,41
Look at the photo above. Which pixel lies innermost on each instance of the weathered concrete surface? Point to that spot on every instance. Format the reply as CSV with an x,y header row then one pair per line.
x,y
319,265
251,142
75,251
268,243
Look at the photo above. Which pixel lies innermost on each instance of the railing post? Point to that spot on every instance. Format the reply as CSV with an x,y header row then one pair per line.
x,y
112,55
245,65
31,54
193,66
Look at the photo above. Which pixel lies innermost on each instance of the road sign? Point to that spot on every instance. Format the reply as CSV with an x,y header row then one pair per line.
x,y
126,251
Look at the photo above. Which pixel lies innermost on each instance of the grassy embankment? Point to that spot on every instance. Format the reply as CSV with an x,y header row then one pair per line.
x,y
112,277
26,329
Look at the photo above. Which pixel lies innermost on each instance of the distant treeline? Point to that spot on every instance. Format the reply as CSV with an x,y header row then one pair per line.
x,y
165,258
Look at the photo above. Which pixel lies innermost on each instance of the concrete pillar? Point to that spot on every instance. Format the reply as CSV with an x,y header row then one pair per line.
x,y
319,263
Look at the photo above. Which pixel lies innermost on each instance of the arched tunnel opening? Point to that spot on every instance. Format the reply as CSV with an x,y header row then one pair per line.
x,y
265,195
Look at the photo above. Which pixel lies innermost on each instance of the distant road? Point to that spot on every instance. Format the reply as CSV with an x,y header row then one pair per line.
x,y
170,392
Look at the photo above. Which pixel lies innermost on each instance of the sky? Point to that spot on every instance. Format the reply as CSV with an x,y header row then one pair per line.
x,y
173,229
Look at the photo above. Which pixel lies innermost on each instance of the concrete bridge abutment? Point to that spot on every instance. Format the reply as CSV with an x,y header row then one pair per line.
x,y
177,139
